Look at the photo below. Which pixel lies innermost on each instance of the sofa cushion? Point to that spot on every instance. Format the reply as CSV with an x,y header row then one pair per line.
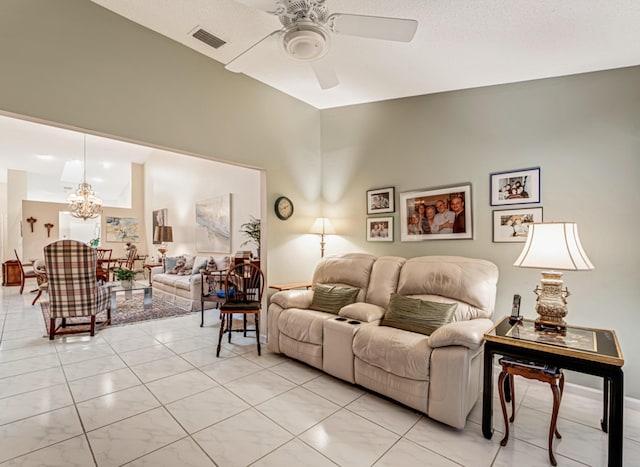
x,y
331,298
349,270
415,315
395,351
170,262
468,280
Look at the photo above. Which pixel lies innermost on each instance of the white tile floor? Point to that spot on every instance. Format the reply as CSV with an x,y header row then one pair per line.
x,y
154,394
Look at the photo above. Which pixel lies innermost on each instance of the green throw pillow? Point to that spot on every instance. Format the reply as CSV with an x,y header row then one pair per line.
x,y
412,314
331,299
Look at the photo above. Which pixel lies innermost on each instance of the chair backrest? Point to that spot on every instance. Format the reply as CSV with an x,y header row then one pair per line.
x,y
131,256
71,270
104,254
19,262
244,283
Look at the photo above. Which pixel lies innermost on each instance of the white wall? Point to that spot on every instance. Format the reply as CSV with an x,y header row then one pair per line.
x,y
176,182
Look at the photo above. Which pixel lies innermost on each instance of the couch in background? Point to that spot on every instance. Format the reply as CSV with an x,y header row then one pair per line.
x,y
178,281
438,371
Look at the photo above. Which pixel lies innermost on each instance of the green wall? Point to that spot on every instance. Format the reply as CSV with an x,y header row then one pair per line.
x,y
74,63
77,64
582,131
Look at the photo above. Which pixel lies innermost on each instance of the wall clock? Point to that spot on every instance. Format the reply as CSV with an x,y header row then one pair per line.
x,y
283,208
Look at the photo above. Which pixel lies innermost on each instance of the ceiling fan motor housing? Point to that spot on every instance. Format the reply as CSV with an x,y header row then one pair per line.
x,y
306,41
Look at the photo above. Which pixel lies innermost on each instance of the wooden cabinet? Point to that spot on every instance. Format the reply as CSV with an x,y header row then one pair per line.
x,y
10,273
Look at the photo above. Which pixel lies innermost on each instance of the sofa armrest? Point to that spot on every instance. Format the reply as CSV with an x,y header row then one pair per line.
x,y
293,298
361,311
156,270
468,334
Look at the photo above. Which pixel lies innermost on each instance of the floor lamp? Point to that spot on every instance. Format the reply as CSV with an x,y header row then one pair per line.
x,y
322,226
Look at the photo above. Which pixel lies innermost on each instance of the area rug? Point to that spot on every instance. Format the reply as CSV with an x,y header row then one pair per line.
x,y
127,311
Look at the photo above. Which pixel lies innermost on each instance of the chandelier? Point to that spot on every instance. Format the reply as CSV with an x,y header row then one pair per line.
x,y
84,204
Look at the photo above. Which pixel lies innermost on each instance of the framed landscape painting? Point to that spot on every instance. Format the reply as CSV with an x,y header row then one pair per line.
x,y
380,229
381,200
512,225
122,229
213,224
436,214
515,187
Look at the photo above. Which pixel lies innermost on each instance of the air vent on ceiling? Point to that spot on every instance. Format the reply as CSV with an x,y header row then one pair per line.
x,y
208,38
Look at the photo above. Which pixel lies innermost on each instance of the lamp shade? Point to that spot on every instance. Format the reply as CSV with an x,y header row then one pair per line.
x,y
163,234
322,226
554,245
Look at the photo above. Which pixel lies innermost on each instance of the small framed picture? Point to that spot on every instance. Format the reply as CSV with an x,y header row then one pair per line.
x,y
381,200
515,187
380,229
512,225
436,214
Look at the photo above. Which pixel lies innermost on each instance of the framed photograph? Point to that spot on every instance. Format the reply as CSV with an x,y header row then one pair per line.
x,y
381,200
379,229
515,187
512,225
159,219
436,214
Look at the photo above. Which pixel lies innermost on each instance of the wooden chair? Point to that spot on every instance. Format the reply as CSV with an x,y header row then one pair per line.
x,y
103,267
41,277
25,272
546,374
243,288
74,291
211,289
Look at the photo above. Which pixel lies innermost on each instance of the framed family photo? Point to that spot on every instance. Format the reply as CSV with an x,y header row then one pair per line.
x,y
436,214
515,187
380,229
512,225
381,200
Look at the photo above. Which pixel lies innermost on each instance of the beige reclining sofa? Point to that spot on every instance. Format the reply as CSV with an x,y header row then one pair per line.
x,y
438,374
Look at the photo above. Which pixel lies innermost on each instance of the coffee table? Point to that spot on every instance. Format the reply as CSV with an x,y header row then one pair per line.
x,y
115,288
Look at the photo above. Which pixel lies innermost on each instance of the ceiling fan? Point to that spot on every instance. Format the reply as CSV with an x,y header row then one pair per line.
x,y
306,33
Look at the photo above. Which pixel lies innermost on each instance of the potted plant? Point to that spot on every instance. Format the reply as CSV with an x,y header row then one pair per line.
x,y
125,276
252,230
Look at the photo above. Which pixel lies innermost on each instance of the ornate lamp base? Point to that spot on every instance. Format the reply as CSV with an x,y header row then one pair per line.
x,y
551,304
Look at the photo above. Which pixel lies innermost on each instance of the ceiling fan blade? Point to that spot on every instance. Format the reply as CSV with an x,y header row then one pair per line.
x,y
239,63
373,27
325,73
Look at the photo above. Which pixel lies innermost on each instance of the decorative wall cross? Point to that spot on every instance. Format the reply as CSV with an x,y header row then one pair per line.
x,y
48,226
32,220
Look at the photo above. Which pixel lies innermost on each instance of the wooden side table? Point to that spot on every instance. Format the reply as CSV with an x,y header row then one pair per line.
x,y
291,285
150,266
545,373
590,351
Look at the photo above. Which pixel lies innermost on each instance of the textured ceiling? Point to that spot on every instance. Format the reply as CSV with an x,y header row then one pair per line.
x,y
459,44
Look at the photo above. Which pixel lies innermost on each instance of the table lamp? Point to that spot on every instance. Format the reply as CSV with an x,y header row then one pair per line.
x,y
552,246
164,235
322,226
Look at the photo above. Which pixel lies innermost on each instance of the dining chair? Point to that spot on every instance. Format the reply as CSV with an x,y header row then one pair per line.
x,y
74,291
26,272
42,278
103,267
243,288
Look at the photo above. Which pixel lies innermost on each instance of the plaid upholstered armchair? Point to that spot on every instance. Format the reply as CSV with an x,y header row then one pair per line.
x,y
74,292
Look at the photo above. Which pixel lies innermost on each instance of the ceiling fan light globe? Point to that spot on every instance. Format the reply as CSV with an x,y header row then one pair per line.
x,y
305,42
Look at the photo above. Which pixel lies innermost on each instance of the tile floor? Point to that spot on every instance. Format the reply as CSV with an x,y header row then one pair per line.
x,y
154,394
